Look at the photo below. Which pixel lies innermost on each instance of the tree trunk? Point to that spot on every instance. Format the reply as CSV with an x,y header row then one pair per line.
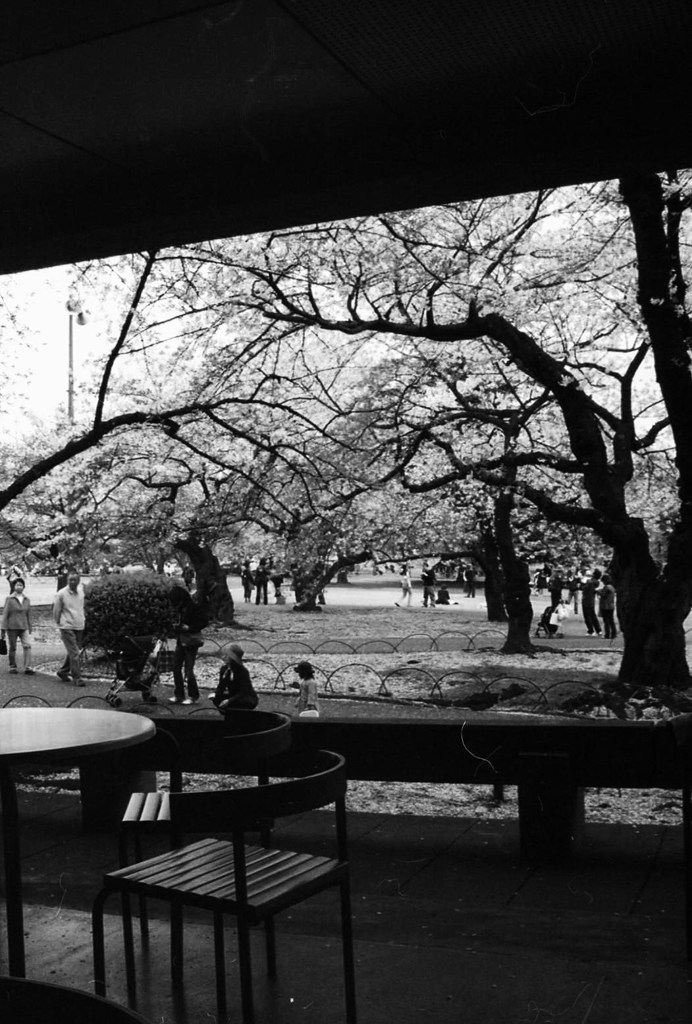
x,y
314,580
212,586
652,608
487,556
515,572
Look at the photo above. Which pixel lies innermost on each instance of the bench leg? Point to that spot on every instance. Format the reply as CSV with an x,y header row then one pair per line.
x,y
551,807
687,852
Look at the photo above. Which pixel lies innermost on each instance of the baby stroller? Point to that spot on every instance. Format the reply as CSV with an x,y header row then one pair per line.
x,y
545,626
139,661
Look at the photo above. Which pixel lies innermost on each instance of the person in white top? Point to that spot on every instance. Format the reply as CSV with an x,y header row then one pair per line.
x,y
406,586
68,614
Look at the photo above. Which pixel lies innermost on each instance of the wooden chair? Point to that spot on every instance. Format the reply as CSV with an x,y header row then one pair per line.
x,y
28,1002
250,882
250,739
148,813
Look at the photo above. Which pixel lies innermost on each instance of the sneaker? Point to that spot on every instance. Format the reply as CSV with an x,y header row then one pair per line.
x,y
64,676
79,682
13,671
29,672
188,700
174,700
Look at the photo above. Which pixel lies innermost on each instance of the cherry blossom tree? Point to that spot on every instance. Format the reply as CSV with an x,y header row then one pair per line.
x,y
575,301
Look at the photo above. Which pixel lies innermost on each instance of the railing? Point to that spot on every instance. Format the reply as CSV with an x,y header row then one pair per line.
x,y
361,679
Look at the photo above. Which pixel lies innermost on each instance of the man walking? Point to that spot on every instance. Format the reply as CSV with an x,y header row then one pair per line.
x,y
68,614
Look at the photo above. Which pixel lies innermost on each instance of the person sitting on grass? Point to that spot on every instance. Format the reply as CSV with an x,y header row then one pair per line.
x,y
235,689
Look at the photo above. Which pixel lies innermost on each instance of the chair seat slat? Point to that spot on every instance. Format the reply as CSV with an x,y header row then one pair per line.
x,y
147,809
205,871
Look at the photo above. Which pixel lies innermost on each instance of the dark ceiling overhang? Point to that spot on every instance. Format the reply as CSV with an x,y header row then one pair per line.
x,y
129,126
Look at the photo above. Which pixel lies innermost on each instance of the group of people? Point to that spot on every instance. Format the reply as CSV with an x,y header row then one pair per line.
x,y
16,627
258,578
597,594
433,594
234,688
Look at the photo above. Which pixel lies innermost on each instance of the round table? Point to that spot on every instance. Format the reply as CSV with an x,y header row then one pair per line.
x,y
28,735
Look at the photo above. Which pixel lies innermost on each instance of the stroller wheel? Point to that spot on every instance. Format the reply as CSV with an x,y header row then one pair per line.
x,y
149,698
114,701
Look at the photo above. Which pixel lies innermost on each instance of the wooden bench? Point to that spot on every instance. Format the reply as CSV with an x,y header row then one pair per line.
x,y
551,760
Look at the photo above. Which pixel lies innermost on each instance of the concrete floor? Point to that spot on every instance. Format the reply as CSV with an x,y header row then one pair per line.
x,y
450,927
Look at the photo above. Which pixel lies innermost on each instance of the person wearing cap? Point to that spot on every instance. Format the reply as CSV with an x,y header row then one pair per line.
x,y
307,704
235,689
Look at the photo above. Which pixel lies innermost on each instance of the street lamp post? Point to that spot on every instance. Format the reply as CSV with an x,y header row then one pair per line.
x,y
74,310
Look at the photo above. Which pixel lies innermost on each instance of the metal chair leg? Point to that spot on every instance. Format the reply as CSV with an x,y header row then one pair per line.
x,y
123,861
98,943
687,854
245,964
177,958
129,947
220,964
347,944
270,946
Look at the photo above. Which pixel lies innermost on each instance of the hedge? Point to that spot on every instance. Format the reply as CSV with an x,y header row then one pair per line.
x,y
136,604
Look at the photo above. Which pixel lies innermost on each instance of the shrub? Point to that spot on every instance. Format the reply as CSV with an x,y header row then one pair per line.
x,y
127,605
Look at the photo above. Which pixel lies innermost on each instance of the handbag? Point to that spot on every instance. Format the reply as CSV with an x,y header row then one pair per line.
x,y
185,640
3,645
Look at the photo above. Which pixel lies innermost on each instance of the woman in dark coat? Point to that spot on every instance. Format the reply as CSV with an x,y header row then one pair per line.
x,y
189,621
235,689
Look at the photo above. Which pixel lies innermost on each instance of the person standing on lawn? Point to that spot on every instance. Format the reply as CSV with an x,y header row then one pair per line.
x,y
68,614
261,581
406,586
190,620
248,581
606,608
589,592
14,573
428,579
556,584
588,603
16,624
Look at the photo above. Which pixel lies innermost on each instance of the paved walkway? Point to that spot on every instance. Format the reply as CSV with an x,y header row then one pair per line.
x,y
450,926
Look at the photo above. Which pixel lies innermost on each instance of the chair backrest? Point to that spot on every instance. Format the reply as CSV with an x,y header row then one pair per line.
x,y
317,779
255,735
161,753
27,1002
